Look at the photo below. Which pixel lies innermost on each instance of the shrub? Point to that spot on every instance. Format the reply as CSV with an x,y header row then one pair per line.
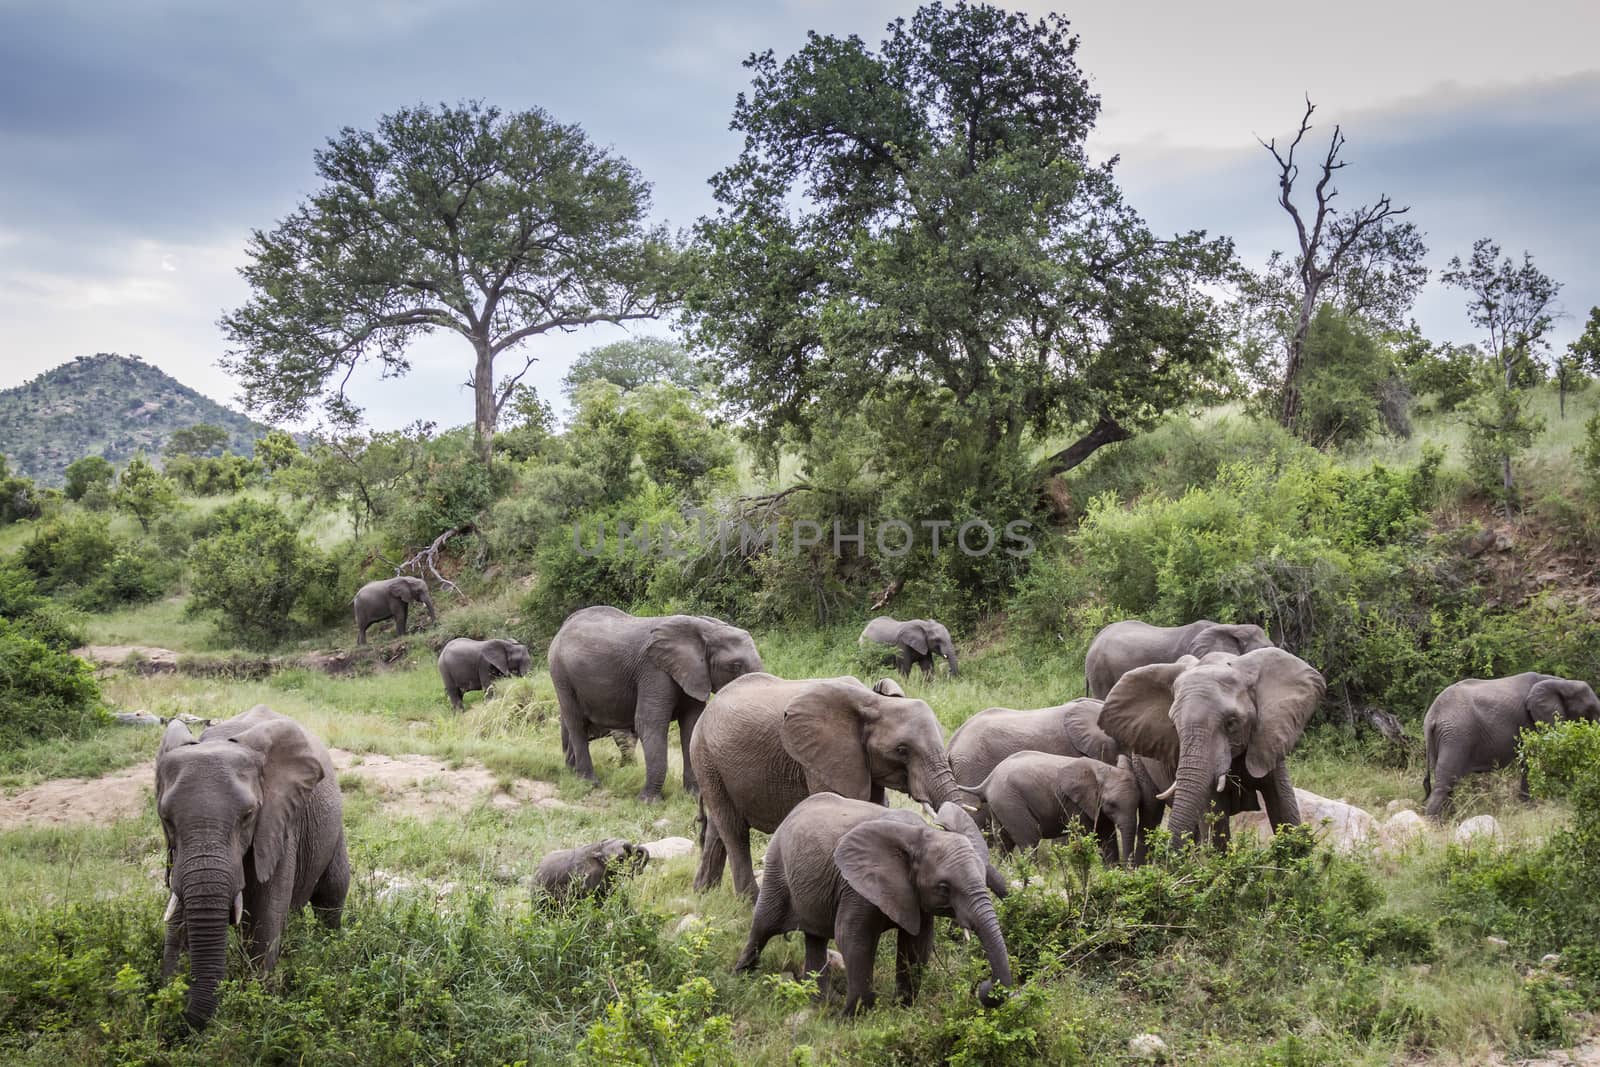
x,y
45,693
222,475
144,492
19,497
88,472
77,557
253,571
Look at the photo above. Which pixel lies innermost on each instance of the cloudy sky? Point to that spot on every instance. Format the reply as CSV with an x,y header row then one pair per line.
x,y
141,141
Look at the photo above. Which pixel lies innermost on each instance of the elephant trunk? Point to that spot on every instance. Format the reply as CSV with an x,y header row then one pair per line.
x,y
1191,795
433,616
950,658
937,782
207,893
978,915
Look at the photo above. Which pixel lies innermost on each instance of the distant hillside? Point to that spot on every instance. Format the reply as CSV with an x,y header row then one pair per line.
x,y
111,405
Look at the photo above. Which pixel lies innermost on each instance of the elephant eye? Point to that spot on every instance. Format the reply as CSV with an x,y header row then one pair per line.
x,y
902,750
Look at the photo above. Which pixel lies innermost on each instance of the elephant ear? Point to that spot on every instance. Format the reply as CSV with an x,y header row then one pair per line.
x,y
176,736
888,687
495,653
1137,713
822,731
875,859
678,646
954,818
290,769
1082,724
1287,691
1548,700
914,635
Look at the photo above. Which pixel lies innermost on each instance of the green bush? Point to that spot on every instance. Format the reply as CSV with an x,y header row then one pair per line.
x,y
86,473
222,475
77,557
45,694
253,571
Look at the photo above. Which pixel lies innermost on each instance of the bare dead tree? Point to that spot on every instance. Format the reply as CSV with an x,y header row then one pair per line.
x,y
428,559
1324,244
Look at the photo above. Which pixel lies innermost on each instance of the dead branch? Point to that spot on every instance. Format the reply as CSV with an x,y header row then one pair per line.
x,y
890,591
429,558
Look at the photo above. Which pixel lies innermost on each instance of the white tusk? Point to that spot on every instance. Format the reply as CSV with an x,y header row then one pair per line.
x,y
1167,793
927,810
970,808
172,909
1222,782
238,907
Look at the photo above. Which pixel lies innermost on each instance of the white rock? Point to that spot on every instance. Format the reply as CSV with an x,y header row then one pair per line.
x,y
1337,824
668,848
1399,805
136,718
1403,827
687,923
662,823
1147,1047
835,963
1497,943
1479,826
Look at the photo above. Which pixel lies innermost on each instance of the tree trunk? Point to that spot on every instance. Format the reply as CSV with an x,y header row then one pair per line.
x,y
1106,431
1290,411
483,401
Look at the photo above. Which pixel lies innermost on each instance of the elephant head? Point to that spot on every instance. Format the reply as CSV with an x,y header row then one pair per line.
x,y
926,637
1233,639
225,803
612,858
888,687
414,591
701,654
1555,699
508,657
1199,716
849,739
910,872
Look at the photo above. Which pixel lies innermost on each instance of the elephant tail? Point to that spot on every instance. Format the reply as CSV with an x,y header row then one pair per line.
x,y
1427,755
980,790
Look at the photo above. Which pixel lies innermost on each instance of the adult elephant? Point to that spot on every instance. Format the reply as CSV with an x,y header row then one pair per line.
x,y
390,598
254,829
467,665
615,671
1473,725
767,743
1070,729
915,641
851,871
1122,646
1221,727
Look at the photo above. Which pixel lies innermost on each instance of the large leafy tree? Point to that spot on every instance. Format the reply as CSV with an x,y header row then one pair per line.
x,y
922,221
497,227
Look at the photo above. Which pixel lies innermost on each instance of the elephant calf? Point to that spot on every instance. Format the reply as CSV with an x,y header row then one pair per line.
x,y
1473,725
467,665
851,871
915,641
390,598
1037,795
590,870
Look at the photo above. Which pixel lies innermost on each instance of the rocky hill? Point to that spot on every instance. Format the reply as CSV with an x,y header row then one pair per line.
x,y
108,404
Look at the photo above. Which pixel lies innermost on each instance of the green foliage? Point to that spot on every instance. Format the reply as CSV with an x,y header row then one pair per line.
x,y
1589,453
645,1026
1499,431
527,425
1014,1033
634,363
253,571
222,475
45,693
1347,374
77,557
276,451
86,473
19,497
201,439
144,492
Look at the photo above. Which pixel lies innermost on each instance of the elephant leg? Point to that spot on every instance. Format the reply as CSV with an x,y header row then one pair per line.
x,y
686,724
713,853
926,663
400,618
856,926
327,899
652,713
817,964
486,678
455,698
1019,824
361,632
1106,834
902,662
1282,807
1446,773
1523,793
625,743
737,845
911,957
574,733
772,909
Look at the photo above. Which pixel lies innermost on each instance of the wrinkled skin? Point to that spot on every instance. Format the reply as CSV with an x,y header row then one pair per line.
x,y
613,671
1033,796
1070,729
254,830
467,665
1473,725
590,870
915,641
1219,729
850,870
765,744
1123,646
390,598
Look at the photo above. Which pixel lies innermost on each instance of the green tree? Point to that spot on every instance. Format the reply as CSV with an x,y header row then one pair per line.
x,y
19,497
498,227
527,426
635,362
1345,377
144,492
276,451
924,220
201,439
87,472
251,572
1582,359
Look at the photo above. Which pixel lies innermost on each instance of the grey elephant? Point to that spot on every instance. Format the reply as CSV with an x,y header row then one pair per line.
x,y
1037,795
614,671
1220,729
1070,729
254,829
390,598
467,665
1473,725
1122,646
851,871
915,641
765,744
590,870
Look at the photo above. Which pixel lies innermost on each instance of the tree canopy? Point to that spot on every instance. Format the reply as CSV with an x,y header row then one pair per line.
x,y
923,217
635,362
495,226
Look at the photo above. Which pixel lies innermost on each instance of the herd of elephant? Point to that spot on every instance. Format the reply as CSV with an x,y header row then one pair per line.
x,y
1179,722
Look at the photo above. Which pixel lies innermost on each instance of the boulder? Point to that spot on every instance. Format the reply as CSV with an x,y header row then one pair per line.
x,y
1478,828
136,718
1147,1047
668,848
1339,825
1402,828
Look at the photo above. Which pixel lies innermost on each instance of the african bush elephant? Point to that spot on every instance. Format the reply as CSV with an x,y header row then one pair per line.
x,y
613,671
466,665
1223,719
1038,795
254,830
1473,725
851,870
1122,646
590,870
765,744
915,641
1070,729
390,598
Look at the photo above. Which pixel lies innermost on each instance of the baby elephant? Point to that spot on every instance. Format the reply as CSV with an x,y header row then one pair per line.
x,y
852,870
465,665
591,870
1038,795
1473,725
